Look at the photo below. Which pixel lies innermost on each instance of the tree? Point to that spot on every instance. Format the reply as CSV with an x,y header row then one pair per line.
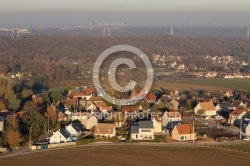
x,y
2,105
37,122
46,99
9,90
200,112
13,137
56,96
67,89
14,103
51,113
26,93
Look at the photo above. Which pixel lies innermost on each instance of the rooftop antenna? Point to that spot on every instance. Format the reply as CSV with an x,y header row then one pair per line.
x,y
171,31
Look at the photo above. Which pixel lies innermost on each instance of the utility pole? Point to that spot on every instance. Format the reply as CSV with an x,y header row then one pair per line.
x,y
30,140
193,132
48,125
240,128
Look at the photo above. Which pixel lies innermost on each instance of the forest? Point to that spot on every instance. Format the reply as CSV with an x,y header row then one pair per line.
x,y
51,60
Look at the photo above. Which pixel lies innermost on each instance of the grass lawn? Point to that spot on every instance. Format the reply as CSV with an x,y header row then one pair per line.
x,y
159,138
239,147
132,155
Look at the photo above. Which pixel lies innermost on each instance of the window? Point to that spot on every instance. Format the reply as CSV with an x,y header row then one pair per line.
x,y
136,136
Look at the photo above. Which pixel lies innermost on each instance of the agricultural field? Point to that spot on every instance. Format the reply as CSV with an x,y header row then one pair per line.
x,y
133,155
206,84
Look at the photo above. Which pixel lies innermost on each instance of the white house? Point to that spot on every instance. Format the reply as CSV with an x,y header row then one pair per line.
x,y
91,122
142,130
247,131
236,116
157,125
205,109
73,129
105,130
60,136
1,124
170,117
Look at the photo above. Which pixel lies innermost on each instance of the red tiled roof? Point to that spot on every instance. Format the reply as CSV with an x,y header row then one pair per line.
x,y
237,112
150,97
184,128
129,108
88,90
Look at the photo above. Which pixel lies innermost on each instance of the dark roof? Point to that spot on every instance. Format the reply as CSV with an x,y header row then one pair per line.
x,y
134,129
225,105
146,124
76,127
172,124
64,133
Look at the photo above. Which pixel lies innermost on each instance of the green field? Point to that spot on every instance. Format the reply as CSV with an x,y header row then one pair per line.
x,y
219,82
132,155
240,147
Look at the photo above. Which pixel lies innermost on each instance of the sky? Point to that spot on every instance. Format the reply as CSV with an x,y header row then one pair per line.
x,y
140,12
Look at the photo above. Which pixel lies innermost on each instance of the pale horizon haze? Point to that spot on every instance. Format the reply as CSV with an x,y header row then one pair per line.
x,y
139,12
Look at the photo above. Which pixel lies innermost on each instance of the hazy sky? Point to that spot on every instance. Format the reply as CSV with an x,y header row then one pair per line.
x,y
147,12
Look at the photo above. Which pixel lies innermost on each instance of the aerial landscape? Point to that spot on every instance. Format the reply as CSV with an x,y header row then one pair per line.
x,y
125,83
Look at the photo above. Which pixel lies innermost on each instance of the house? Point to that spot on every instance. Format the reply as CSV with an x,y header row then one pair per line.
x,y
105,130
174,105
73,129
183,132
170,117
91,122
157,125
247,130
37,98
236,116
60,136
1,124
130,111
81,116
205,109
164,99
150,97
236,104
106,109
142,130
4,113
229,94
225,106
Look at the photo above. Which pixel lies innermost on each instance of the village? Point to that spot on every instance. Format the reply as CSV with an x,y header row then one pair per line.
x,y
165,115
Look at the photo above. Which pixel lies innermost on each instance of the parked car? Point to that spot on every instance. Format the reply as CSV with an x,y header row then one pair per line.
x,y
246,138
